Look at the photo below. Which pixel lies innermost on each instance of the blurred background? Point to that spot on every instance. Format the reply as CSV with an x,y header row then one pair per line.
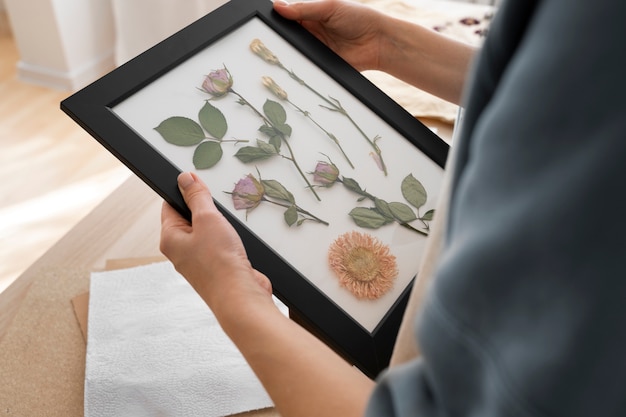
x,y
53,173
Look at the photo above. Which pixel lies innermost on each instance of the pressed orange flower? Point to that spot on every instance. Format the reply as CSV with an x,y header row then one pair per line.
x,y
363,264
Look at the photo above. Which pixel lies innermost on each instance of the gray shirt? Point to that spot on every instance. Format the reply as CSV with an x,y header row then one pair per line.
x,y
527,313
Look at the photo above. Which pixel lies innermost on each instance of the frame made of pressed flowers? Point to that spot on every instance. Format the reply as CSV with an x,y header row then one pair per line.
x,y
121,110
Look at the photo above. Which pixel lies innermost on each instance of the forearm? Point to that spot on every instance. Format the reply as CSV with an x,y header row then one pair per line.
x,y
302,375
424,58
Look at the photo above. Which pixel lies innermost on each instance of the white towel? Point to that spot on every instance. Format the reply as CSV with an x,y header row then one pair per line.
x,y
155,349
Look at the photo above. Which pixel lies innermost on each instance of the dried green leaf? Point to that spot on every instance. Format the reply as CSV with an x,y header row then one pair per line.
x,y
277,142
291,216
383,208
252,153
284,129
428,216
213,121
266,147
276,190
180,131
351,185
402,212
279,131
274,135
275,112
207,154
368,217
413,191
268,130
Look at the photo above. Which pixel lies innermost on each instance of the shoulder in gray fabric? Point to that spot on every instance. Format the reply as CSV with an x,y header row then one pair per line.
x,y
527,316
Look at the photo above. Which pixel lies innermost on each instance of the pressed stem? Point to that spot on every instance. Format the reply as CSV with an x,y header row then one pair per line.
x,y
235,141
247,103
293,159
330,135
361,192
408,226
336,106
299,210
269,123
419,216
403,224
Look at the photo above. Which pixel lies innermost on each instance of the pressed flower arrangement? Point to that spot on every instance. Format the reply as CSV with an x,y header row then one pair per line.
x,y
302,164
256,129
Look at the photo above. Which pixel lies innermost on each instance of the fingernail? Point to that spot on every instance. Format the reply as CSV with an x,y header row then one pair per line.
x,y
185,180
281,3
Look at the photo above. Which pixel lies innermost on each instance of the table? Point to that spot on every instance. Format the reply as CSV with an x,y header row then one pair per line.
x,y
42,350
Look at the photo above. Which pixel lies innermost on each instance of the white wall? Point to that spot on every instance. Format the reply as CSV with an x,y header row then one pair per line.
x,y
141,24
66,44
63,44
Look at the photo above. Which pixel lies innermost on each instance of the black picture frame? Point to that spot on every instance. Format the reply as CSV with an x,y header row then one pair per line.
x,y
93,109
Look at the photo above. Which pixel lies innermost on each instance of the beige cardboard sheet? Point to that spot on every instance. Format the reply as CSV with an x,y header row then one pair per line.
x,y
42,356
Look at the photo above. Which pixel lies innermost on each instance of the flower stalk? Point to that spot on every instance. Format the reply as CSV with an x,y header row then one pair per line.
x,y
283,138
271,85
333,104
250,192
220,83
326,174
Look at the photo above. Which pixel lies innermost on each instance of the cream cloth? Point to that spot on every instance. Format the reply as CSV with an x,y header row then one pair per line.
x,y
445,16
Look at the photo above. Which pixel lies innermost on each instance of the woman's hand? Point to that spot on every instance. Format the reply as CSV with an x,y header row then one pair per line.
x,y
368,39
349,29
302,375
209,253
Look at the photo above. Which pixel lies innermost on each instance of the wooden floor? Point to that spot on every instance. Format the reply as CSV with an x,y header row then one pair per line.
x,y
51,173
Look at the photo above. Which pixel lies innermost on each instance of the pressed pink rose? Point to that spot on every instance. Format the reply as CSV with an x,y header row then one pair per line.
x,y
325,174
218,82
248,193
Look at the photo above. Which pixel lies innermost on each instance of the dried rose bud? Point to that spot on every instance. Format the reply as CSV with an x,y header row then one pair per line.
x,y
271,85
218,82
248,193
325,173
469,21
261,50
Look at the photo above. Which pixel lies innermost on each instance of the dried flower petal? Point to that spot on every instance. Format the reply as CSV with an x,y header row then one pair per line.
x,y
261,50
218,82
378,160
271,85
248,193
363,264
325,174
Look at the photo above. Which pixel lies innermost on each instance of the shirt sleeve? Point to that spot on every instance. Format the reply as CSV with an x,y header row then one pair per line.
x,y
527,313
